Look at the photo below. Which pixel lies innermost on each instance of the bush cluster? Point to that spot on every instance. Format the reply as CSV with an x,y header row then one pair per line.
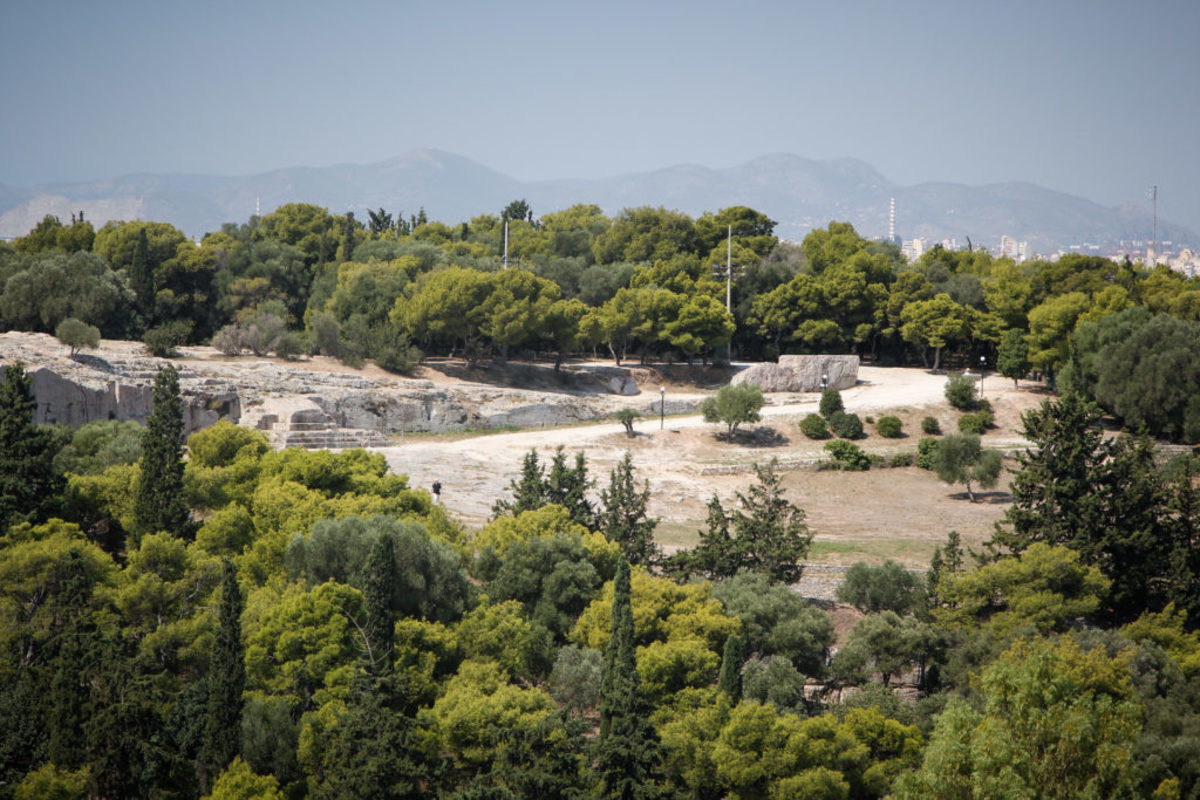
x,y
889,427
925,450
831,403
848,455
814,427
846,426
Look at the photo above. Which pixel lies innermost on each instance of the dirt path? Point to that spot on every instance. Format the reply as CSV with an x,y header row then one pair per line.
x,y
905,510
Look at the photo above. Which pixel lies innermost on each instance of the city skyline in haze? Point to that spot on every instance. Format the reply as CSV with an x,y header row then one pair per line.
x,y
1091,99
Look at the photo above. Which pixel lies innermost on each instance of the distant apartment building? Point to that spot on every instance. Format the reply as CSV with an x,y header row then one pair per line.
x,y
1011,248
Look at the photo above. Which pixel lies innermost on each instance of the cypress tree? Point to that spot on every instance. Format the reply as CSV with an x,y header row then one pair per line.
x,y
227,680
73,663
379,588
730,679
623,518
141,276
159,501
29,486
628,757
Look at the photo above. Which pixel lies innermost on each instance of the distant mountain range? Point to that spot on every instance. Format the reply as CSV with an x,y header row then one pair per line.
x,y
799,193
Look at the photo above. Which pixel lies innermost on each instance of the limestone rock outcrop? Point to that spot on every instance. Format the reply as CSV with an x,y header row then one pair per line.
x,y
802,373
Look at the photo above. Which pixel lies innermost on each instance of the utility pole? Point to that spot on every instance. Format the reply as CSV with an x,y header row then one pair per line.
x,y
729,271
1154,240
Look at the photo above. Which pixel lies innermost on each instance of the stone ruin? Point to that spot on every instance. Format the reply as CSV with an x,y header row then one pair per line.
x,y
802,373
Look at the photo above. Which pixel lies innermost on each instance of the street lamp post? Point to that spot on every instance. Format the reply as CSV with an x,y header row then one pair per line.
x,y
662,407
982,365
824,382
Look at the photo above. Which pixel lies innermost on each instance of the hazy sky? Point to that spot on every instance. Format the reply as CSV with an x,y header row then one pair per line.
x,y
1094,97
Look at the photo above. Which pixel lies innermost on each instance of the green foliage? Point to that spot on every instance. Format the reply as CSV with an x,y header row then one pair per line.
x,y
926,450
49,782
774,680
1046,589
1057,722
77,335
972,424
848,455
776,621
575,679
238,782
887,587
767,534
1012,356
30,487
958,458
930,426
623,518
227,678
831,403
628,761
814,427
889,427
733,404
846,426
627,416
52,287
96,446
886,645
553,578
729,680
1145,375
164,340
960,392
159,503
429,580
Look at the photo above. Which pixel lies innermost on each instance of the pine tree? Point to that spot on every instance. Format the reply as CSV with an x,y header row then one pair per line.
x,y
159,503
528,493
30,488
766,535
568,487
1054,492
623,516
379,588
730,678
628,756
227,680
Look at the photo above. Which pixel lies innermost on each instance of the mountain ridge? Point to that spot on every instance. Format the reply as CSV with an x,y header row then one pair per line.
x,y
799,193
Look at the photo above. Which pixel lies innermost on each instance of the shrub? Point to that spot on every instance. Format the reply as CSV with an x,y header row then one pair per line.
x,y
960,392
902,460
627,416
848,455
889,427
733,404
925,450
228,340
869,419
77,334
162,340
831,403
814,427
846,426
971,423
930,426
